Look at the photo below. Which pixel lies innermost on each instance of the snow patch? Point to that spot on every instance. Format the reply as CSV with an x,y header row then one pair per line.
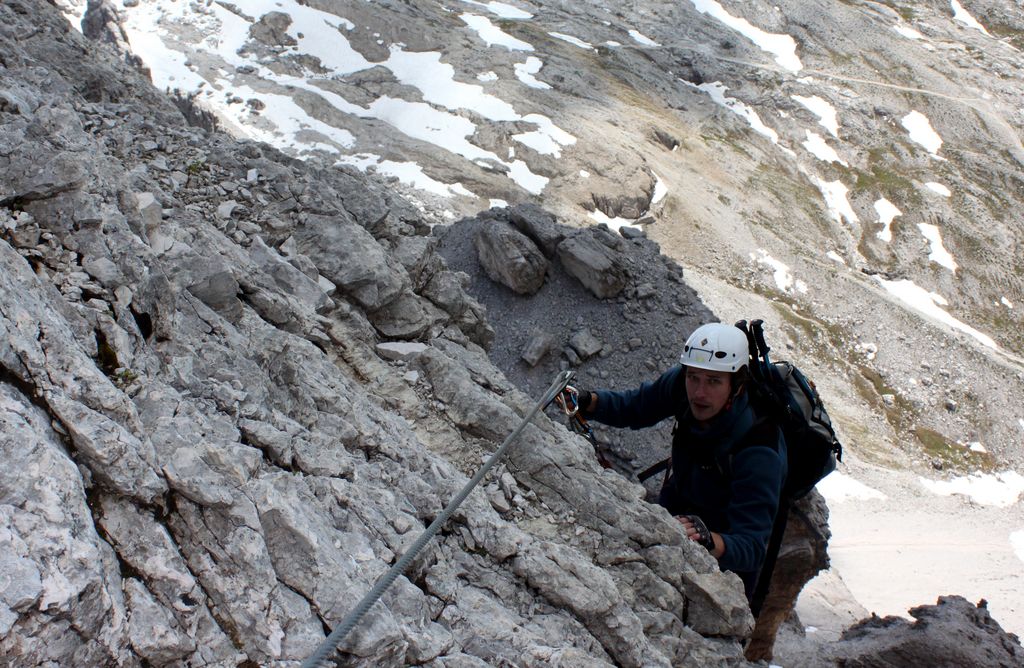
x,y
963,16
408,173
436,81
781,272
1017,543
908,32
575,41
717,93
921,131
832,255
783,47
525,72
825,112
838,487
615,224
929,304
816,146
487,76
501,10
938,252
1001,489
1006,302
547,139
492,34
520,172
838,205
641,39
660,190
886,212
938,188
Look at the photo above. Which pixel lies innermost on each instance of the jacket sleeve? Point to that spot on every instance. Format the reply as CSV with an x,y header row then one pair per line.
x,y
758,474
645,406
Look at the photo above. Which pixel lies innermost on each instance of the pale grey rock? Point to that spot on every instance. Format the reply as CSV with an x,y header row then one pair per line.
x,y
45,176
19,101
225,209
447,290
103,270
349,257
116,457
397,350
599,268
150,211
510,258
417,255
288,278
20,588
151,628
219,290
585,344
251,464
46,525
536,348
539,225
408,317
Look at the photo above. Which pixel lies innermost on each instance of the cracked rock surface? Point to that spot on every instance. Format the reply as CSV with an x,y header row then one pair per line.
x,y
206,460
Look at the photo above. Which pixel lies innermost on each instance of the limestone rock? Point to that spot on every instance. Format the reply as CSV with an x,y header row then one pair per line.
x,y
351,258
536,348
803,554
510,258
407,317
539,225
953,632
205,460
400,351
585,344
588,257
288,278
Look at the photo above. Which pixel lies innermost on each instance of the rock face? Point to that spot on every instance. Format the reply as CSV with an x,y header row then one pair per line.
x,y
592,257
953,632
206,459
510,258
802,555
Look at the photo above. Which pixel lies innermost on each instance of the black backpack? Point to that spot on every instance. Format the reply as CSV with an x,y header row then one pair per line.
x,y
783,393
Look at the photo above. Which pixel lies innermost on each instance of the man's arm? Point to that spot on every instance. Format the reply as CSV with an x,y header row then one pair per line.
x,y
642,407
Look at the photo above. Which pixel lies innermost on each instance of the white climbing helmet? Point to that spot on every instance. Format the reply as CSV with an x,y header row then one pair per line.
x,y
716,347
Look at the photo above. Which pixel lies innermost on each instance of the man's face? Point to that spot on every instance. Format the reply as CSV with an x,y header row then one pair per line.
x,y
707,391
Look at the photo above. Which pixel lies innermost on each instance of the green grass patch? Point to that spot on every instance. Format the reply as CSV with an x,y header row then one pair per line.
x,y
890,183
952,455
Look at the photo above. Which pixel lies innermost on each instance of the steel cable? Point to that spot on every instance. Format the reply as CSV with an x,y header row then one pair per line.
x,y
341,631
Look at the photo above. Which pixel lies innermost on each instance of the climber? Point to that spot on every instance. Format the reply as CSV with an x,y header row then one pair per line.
x,y
728,464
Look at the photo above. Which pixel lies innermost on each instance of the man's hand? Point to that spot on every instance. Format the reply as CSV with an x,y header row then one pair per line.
x,y
699,533
572,400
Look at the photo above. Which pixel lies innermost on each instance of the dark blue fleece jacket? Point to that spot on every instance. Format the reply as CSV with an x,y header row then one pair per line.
x,y
730,474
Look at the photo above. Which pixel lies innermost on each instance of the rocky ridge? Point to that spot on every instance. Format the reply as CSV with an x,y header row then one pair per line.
x,y
207,459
